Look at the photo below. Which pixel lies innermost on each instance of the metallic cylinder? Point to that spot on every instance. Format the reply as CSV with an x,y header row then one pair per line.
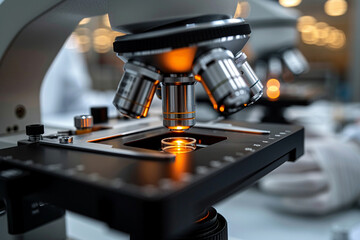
x,y
178,102
251,79
66,139
222,81
136,90
295,61
83,121
35,131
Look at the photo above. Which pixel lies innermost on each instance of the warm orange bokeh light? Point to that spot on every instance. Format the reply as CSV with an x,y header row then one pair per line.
x,y
273,89
242,10
198,78
273,82
335,7
178,60
222,108
290,3
304,22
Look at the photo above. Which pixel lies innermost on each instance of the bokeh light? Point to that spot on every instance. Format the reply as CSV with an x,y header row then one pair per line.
x,y
84,21
335,7
305,21
242,9
106,21
322,29
102,40
273,89
337,39
82,38
309,35
289,3
320,33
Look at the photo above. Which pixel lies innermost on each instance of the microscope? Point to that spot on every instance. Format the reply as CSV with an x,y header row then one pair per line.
x,y
151,180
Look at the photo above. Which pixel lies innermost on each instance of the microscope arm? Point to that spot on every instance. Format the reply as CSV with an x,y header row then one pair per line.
x,y
28,50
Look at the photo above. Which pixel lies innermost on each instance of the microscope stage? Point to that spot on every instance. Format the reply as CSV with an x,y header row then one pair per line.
x,y
150,199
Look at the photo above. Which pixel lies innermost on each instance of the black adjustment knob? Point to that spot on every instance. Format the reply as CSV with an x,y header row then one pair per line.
x,y
100,114
34,129
210,226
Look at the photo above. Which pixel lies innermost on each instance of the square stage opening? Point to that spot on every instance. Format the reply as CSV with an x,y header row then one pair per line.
x,y
154,142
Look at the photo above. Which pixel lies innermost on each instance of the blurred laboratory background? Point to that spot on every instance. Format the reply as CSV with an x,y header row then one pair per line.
x,y
307,54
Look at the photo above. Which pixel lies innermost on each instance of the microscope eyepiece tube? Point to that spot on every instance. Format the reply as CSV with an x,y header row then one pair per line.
x,y
251,79
178,102
222,81
136,90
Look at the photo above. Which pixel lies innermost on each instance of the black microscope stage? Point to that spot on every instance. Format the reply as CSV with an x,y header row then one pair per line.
x,y
150,199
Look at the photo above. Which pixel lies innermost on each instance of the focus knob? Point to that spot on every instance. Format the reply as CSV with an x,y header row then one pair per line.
x,y
211,226
100,114
35,132
34,129
83,121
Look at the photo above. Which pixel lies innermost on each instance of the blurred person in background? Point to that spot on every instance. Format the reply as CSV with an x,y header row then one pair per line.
x,y
67,89
67,86
327,177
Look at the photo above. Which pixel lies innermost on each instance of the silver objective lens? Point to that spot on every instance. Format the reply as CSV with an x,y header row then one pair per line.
x,y
295,61
222,81
251,79
136,90
178,102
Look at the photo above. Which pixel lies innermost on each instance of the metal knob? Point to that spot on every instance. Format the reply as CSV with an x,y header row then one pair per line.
x,y
66,139
83,121
34,129
100,114
35,132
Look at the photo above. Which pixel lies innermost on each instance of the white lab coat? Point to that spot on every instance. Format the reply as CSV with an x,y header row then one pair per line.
x,y
67,86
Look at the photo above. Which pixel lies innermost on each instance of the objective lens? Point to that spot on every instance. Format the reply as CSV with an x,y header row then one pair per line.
x,y
178,102
136,90
295,61
178,144
222,81
251,79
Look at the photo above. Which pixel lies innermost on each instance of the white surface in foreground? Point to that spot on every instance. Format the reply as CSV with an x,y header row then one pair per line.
x,y
250,217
